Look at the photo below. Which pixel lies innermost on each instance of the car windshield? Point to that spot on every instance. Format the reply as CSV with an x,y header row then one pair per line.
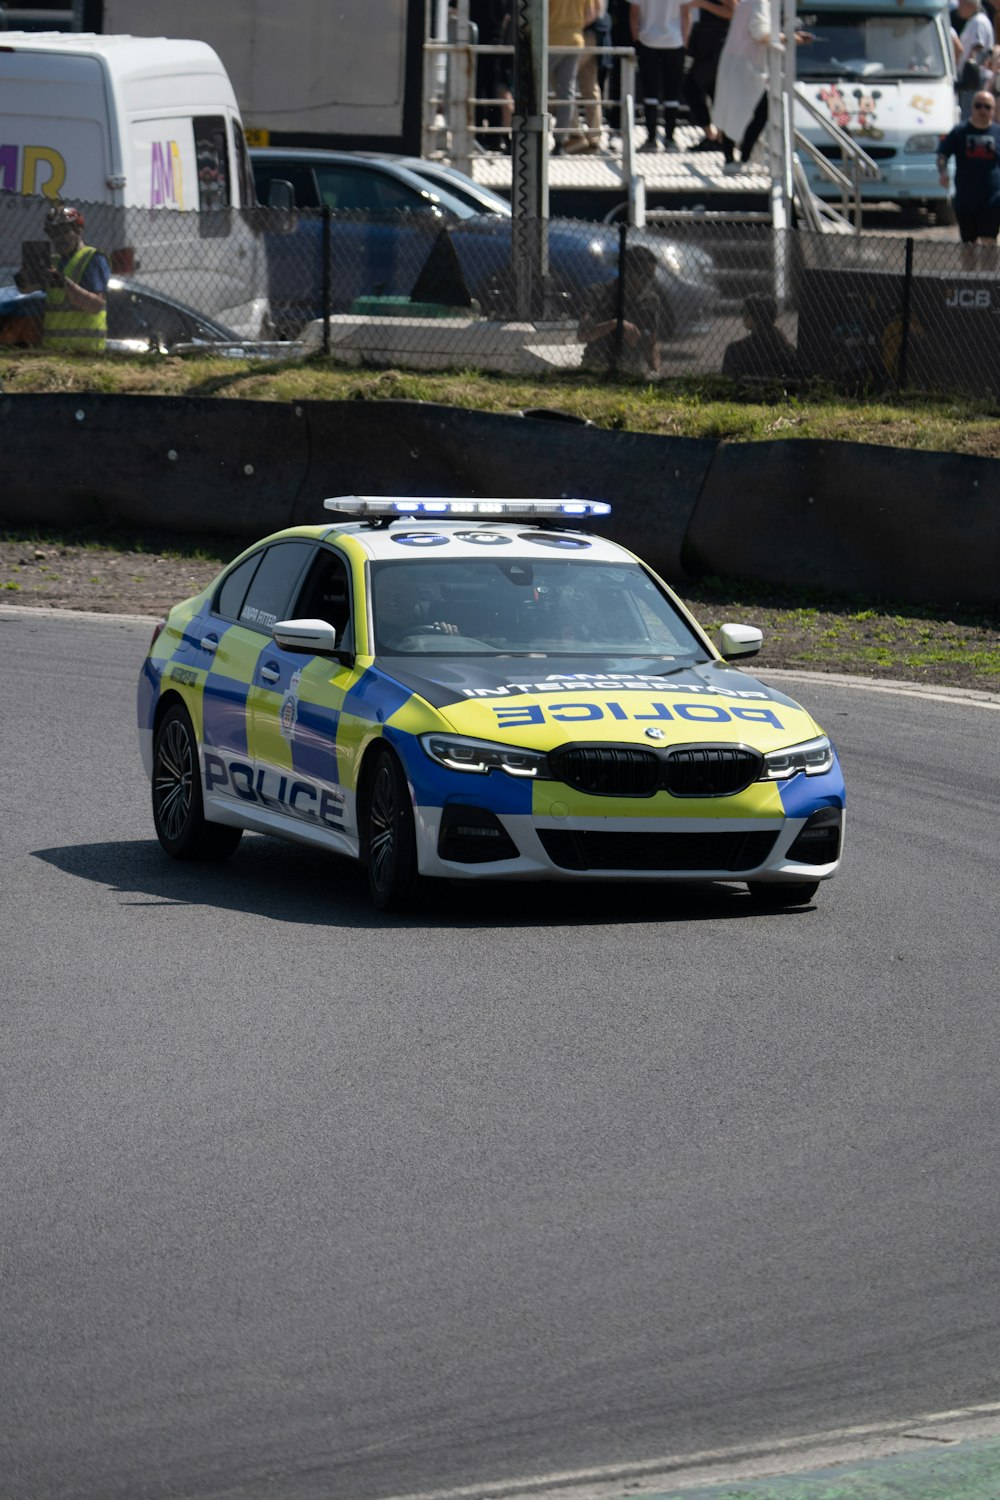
x,y
535,606
849,45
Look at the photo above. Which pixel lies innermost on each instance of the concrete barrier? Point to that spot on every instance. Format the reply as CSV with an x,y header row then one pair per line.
x,y
844,517
851,518
201,465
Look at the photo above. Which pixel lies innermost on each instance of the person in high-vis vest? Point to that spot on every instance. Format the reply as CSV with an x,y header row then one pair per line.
x,y
75,286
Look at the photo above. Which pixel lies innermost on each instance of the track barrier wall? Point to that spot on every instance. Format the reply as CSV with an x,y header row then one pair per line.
x,y
842,517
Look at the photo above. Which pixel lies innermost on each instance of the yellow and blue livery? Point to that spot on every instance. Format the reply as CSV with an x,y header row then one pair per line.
x,y
449,689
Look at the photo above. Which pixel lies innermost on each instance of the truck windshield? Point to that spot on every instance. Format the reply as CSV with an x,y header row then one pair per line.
x,y
847,44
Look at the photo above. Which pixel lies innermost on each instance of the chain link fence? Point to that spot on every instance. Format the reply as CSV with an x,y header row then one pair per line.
x,y
695,293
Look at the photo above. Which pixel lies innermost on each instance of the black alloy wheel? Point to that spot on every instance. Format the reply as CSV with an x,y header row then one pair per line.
x,y
178,811
390,843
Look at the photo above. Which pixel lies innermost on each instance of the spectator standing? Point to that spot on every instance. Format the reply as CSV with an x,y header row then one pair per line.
x,y
494,73
633,349
765,351
75,286
739,109
659,30
975,145
568,19
973,45
621,36
593,75
705,42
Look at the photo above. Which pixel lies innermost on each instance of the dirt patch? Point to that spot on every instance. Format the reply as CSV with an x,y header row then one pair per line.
x,y
854,636
104,581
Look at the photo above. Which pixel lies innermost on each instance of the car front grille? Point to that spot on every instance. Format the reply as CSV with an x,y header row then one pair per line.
x,y
633,771
608,770
681,852
711,770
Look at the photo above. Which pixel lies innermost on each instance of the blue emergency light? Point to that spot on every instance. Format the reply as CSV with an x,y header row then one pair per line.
x,y
398,507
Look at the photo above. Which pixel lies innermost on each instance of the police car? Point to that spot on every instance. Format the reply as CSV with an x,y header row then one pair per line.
x,y
479,690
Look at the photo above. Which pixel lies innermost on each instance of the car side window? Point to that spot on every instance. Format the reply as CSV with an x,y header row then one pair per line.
x,y
326,595
248,194
398,197
273,584
230,596
212,153
348,188
157,321
298,174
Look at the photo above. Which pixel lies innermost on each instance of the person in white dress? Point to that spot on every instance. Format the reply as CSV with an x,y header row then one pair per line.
x,y
739,109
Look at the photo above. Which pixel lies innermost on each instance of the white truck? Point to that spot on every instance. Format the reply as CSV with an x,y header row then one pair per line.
x,y
306,72
884,71
137,132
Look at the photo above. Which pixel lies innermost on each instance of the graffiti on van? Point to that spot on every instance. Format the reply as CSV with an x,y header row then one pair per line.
x,y
31,169
166,176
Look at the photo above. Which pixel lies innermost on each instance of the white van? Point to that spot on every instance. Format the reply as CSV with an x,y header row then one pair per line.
x,y
884,71
147,128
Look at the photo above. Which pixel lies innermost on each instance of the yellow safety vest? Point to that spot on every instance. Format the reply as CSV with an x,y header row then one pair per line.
x,y
66,328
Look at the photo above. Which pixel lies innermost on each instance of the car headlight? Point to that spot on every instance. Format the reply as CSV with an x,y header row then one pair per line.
x,y
670,256
458,753
814,757
682,260
924,144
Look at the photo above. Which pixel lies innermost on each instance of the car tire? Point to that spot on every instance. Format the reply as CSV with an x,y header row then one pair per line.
x,y
389,842
178,810
777,897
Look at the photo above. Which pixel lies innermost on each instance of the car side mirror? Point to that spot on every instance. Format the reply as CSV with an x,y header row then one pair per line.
x,y
280,194
317,637
739,640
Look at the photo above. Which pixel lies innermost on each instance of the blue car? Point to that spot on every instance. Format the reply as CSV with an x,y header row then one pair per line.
x,y
403,228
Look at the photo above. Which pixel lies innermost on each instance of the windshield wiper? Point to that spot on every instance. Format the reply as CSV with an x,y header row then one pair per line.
x,y
698,661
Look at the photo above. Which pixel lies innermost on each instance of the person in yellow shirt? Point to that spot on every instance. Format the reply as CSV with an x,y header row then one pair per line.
x,y
75,286
568,19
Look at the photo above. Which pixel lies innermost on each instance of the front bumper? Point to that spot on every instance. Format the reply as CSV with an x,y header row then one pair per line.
x,y
903,179
515,846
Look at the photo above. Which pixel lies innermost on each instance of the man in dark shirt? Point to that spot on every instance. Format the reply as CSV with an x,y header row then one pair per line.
x,y
765,351
975,145
634,347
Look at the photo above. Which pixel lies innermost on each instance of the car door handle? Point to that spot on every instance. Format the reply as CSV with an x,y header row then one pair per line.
x,y
270,674
210,643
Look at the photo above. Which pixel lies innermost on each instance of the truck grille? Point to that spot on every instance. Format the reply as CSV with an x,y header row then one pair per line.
x,y
877,153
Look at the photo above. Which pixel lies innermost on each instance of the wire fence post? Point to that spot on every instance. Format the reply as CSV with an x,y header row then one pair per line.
x,y
904,338
620,300
327,290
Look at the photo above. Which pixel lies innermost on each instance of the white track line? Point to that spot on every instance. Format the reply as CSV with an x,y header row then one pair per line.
x,y
765,1458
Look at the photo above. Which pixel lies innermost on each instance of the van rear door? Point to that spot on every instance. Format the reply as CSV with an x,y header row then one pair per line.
x,y
54,126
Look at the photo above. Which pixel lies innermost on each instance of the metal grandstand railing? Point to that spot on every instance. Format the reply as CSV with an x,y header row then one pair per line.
x,y
418,291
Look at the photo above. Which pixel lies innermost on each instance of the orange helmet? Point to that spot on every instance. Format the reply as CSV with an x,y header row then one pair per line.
x,y
61,214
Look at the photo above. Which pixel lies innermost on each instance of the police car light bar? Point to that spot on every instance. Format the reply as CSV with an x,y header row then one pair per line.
x,y
390,507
